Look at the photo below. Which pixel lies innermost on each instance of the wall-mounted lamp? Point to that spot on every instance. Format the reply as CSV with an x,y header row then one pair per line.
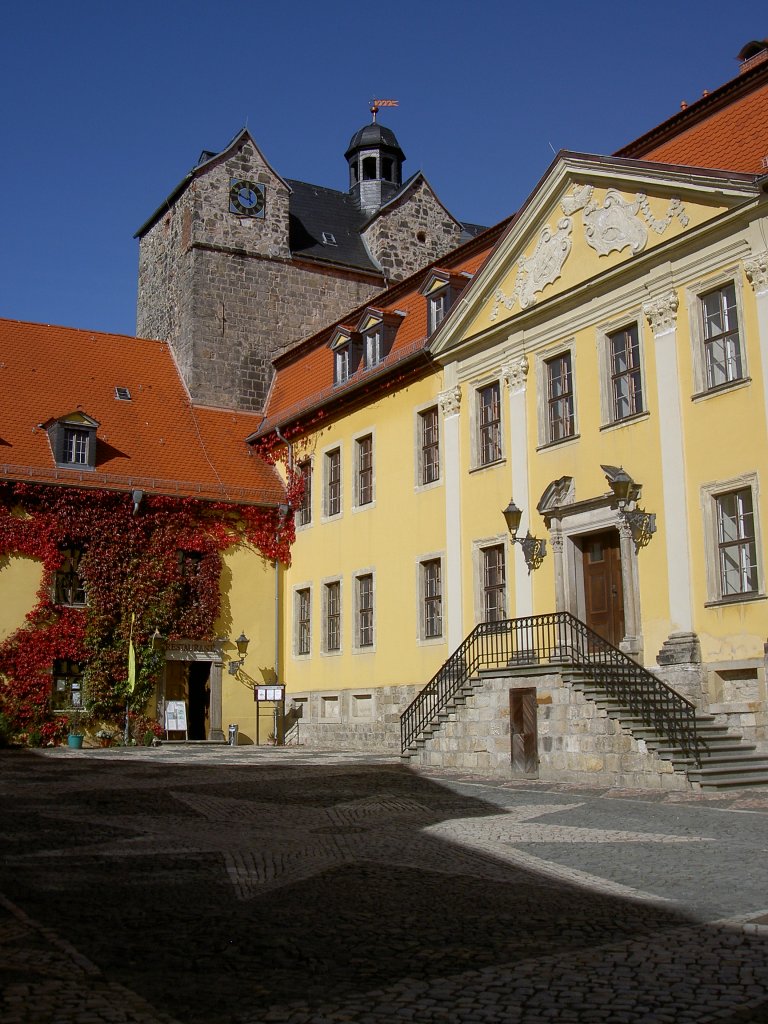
x,y
642,524
136,497
242,649
534,549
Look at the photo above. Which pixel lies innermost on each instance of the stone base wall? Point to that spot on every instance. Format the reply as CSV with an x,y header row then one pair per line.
x,y
357,719
735,693
577,741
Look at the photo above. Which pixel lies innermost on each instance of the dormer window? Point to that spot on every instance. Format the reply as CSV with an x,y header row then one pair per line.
x,y
73,441
346,354
373,347
440,290
438,307
329,238
378,330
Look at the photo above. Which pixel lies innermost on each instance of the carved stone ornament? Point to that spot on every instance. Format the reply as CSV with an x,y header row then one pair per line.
x,y
535,272
556,494
756,270
556,539
615,225
514,374
450,401
661,312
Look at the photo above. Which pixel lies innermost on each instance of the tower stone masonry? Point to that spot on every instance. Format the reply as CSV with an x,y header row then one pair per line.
x,y
238,263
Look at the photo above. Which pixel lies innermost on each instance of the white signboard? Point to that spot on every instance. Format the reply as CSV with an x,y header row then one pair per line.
x,y
175,716
269,693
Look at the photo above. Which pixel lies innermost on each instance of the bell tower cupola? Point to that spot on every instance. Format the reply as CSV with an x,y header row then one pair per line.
x,y
375,166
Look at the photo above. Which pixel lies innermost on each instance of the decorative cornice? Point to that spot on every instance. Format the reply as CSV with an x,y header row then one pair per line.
x,y
514,374
661,312
450,401
756,270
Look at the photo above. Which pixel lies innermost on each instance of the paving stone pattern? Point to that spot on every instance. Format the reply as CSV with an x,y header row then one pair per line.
x,y
213,885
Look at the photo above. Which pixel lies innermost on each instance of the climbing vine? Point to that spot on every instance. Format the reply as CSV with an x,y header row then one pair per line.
x,y
160,566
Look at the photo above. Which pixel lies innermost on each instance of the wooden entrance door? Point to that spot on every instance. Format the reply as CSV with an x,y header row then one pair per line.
x,y
523,728
603,592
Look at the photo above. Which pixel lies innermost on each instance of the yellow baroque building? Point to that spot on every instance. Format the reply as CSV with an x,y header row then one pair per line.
x,y
602,379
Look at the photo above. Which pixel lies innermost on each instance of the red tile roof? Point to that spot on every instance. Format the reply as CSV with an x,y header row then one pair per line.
x,y
727,129
158,441
304,378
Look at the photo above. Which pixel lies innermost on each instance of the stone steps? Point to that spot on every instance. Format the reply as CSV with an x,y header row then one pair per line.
x,y
727,760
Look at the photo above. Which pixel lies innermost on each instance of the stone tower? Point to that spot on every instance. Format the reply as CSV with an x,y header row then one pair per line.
x,y
239,263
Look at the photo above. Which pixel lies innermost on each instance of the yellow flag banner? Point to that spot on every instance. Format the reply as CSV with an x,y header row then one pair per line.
x,y
131,660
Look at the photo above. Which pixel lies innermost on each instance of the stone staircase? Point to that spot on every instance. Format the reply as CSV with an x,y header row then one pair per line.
x,y
728,761
597,725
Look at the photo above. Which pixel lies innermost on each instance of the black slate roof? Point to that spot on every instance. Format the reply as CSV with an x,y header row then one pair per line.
x,y
313,210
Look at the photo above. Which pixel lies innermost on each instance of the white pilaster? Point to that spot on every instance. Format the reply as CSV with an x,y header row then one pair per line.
x,y
757,271
450,404
515,374
662,315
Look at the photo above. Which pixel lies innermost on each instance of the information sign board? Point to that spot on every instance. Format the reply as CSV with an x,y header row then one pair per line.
x,y
175,716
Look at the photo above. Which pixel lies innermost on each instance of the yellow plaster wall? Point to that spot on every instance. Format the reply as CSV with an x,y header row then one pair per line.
x,y
19,583
247,605
404,524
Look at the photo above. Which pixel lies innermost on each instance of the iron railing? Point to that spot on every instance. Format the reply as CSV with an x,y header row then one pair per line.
x,y
557,639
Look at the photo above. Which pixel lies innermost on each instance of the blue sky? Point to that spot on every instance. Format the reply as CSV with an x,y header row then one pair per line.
x,y
105,107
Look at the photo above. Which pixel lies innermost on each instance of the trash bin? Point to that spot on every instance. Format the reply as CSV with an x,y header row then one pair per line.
x,y
233,730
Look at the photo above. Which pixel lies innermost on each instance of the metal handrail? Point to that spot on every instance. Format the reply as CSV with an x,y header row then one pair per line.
x,y
556,639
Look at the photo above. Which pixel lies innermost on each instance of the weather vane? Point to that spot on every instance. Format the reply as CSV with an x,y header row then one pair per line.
x,y
376,105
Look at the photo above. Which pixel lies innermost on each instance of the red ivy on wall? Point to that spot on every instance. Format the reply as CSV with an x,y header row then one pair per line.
x,y
130,565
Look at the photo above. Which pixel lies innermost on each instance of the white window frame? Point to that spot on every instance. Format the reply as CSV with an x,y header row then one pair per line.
x,y
476,425
373,341
357,646
326,584
605,335
357,442
479,547
439,307
327,453
303,515
298,591
543,361
695,294
424,561
710,494
419,446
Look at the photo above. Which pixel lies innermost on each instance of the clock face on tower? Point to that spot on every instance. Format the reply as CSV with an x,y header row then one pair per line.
x,y
246,198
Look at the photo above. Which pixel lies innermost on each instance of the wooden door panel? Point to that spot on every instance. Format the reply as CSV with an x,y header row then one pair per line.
x,y
523,721
603,590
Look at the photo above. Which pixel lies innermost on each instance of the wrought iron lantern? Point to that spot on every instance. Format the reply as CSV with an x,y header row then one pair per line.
x,y
534,548
242,649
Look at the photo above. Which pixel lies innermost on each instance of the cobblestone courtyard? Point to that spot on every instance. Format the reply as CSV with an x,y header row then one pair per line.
x,y
236,886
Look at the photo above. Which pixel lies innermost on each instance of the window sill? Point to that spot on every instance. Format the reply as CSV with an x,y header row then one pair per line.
x,y
724,602
487,465
363,508
332,519
331,654
558,443
368,649
732,385
627,421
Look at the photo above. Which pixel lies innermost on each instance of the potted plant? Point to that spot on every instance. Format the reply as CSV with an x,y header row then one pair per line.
x,y
105,737
76,722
